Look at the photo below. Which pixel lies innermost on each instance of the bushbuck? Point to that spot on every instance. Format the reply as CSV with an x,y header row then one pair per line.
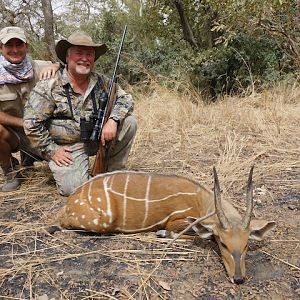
x,y
131,202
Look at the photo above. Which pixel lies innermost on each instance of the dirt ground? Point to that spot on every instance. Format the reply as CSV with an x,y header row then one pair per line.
x,y
78,265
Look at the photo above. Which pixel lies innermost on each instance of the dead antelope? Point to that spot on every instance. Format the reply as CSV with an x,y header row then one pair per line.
x,y
131,202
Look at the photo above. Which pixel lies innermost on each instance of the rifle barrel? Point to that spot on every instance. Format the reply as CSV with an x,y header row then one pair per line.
x,y
117,62
95,136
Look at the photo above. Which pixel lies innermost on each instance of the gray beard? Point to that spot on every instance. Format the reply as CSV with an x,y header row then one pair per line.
x,y
82,70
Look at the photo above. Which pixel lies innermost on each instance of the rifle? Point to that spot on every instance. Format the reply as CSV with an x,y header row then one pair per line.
x,y
102,156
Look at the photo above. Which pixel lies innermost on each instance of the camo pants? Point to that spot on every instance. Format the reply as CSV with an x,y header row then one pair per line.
x,y
68,178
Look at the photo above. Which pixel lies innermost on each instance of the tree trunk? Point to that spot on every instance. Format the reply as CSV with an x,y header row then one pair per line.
x,y
188,34
208,26
49,28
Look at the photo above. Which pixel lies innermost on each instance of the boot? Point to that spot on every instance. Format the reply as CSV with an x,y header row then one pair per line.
x,y
27,160
12,177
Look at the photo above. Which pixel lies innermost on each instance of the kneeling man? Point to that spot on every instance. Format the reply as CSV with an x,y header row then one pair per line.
x,y
56,106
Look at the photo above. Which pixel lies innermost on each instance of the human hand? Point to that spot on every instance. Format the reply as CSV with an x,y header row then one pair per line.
x,y
109,131
62,156
49,72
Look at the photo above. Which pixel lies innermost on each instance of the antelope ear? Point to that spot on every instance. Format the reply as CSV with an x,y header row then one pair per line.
x,y
260,228
205,231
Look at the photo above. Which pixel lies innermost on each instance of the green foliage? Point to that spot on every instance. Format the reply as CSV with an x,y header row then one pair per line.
x,y
245,61
240,43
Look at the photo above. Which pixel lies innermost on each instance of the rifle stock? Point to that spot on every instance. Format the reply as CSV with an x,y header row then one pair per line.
x,y
99,163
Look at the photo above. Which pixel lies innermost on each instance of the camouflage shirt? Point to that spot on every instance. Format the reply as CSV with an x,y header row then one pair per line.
x,y
49,119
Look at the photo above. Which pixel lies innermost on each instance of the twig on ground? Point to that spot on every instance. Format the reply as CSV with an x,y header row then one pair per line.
x,y
281,260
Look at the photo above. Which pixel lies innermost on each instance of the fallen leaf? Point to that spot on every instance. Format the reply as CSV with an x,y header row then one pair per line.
x,y
43,297
164,285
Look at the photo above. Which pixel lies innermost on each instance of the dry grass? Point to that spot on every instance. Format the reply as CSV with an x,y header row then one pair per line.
x,y
186,138
177,134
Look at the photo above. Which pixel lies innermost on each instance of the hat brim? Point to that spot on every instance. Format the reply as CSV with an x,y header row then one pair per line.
x,y
62,47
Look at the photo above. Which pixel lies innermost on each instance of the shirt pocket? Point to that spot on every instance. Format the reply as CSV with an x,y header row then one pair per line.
x,y
8,96
62,108
11,104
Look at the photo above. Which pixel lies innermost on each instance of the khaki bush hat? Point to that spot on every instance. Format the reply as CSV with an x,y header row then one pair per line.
x,y
8,33
79,38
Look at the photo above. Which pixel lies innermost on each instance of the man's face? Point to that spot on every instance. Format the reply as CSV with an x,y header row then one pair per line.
x,y
80,59
14,50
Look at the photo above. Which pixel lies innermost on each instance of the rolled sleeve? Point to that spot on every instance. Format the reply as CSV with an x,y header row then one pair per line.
x,y
123,106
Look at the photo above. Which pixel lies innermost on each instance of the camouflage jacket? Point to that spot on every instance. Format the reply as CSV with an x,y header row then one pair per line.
x,y
49,121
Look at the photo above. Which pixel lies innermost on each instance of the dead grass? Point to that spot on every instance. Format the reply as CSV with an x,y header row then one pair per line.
x,y
177,134
232,135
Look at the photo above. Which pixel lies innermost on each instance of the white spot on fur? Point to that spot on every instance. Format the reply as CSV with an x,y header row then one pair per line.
x,y
95,221
104,225
98,199
83,217
81,203
76,201
82,226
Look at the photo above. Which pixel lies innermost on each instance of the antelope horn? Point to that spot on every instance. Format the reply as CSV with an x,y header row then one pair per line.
x,y
217,192
247,218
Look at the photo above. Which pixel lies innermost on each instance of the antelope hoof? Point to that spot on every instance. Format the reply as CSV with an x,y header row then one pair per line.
x,y
52,229
165,234
162,233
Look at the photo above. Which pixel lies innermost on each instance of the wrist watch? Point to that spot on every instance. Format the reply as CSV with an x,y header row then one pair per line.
x,y
115,119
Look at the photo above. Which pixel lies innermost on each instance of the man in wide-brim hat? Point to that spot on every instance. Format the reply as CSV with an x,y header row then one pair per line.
x,y
60,111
